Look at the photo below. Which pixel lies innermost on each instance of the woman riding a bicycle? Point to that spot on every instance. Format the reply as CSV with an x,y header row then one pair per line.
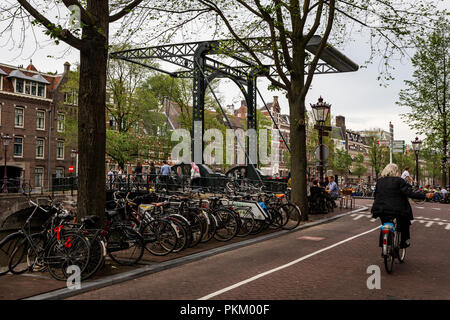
x,y
391,200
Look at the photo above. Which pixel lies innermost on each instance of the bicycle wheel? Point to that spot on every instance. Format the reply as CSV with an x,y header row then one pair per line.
x,y
260,225
160,237
25,258
34,260
71,249
277,220
96,257
291,216
389,257
181,233
124,245
7,246
228,224
196,228
211,227
401,252
186,226
247,222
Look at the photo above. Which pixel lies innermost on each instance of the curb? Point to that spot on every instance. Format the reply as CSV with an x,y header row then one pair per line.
x,y
149,269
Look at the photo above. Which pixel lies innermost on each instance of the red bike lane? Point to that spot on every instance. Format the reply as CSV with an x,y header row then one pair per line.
x,y
334,261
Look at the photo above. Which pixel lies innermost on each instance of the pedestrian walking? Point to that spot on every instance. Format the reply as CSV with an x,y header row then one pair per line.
x,y
138,172
165,173
151,172
195,175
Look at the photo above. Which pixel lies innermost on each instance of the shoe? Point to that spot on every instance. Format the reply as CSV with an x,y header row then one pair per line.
x,y
405,244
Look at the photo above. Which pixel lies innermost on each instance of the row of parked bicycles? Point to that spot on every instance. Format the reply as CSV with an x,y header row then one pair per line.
x,y
156,223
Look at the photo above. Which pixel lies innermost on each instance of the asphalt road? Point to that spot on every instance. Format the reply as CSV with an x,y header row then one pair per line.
x,y
328,261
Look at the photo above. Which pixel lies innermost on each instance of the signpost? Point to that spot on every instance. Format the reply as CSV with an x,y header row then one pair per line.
x,y
391,131
399,146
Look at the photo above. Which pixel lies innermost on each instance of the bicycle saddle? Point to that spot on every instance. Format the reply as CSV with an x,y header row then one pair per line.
x,y
90,220
158,204
111,213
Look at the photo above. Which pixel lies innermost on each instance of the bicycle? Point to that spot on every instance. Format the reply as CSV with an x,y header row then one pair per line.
x,y
390,237
55,249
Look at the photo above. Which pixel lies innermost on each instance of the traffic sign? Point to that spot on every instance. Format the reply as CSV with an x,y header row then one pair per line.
x,y
70,169
398,146
384,143
326,152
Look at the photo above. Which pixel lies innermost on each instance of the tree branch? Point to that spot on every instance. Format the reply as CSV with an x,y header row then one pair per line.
x,y
321,48
57,31
124,11
86,17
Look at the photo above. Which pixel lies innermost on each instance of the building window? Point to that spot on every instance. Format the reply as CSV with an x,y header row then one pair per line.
x,y
60,122
40,148
27,87
18,119
68,97
18,147
60,150
19,85
33,88
38,177
59,172
112,123
41,90
40,120
71,97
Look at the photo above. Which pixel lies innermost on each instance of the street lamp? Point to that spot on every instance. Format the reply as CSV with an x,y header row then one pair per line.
x,y
73,155
6,139
320,111
416,144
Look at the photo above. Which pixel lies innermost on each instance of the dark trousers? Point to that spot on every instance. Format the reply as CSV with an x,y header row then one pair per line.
x,y
195,182
402,225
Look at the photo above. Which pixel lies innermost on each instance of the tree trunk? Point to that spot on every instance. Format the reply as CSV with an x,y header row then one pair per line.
x,y
298,153
91,114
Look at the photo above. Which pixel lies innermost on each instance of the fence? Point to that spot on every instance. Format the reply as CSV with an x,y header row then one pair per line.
x,y
176,182
145,182
56,185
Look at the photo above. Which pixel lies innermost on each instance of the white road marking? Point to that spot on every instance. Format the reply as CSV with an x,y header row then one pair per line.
x,y
420,207
423,220
436,208
212,295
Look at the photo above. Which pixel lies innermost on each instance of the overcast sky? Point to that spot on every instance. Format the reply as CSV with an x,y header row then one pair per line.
x,y
357,95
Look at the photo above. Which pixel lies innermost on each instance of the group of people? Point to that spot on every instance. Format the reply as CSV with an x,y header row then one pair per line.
x,y
165,172
326,190
432,193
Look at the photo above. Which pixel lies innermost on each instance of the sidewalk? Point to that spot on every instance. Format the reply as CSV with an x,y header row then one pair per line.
x,y
13,287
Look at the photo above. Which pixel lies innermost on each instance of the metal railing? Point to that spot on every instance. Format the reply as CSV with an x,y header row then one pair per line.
x,y
176,182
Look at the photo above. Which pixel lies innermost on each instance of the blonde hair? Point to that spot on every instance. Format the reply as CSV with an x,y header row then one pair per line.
x,y
391,170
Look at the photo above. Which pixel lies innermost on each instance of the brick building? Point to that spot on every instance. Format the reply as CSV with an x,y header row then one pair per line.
x,y
31,112
282,121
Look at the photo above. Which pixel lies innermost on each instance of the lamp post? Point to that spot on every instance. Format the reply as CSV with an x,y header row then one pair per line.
x,y
73,154
416,144
6,139
320,112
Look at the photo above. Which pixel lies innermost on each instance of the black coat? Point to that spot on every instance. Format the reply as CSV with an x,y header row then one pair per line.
x,y
391,198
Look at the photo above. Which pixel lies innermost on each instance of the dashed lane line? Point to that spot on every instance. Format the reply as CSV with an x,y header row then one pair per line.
x,y
214,294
